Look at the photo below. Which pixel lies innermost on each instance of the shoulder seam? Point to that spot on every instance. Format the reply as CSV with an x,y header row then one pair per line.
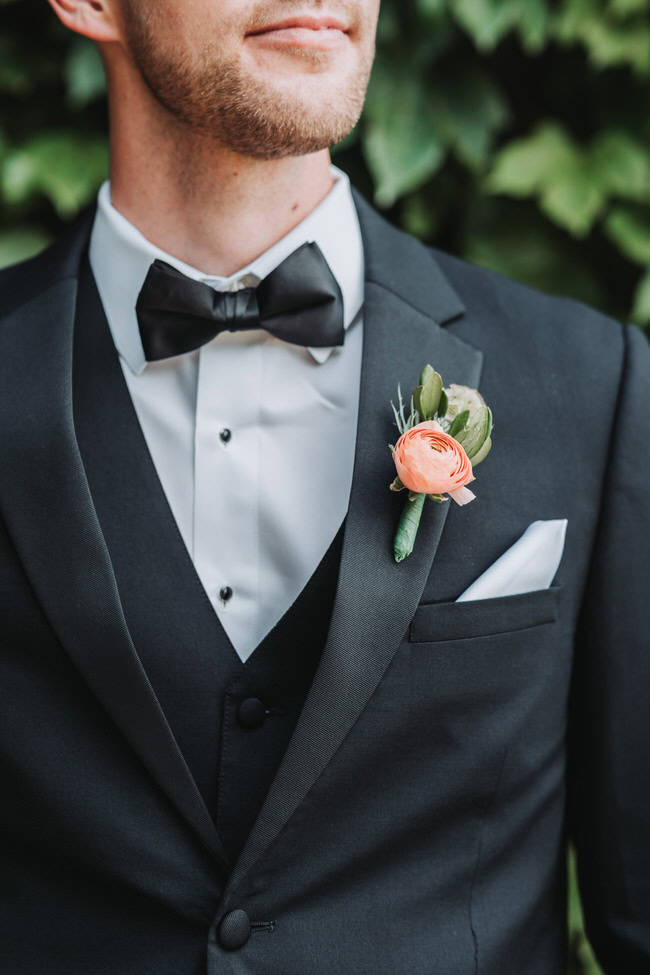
x,y
15,308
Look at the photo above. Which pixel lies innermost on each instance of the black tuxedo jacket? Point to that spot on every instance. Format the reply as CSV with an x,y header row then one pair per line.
x,y
446,752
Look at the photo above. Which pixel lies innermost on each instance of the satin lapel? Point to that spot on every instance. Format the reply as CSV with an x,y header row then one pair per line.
x,y
46,502
376,598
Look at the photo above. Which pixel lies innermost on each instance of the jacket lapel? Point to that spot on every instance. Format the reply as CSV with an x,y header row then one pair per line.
x,y
47,505
407,300
46,502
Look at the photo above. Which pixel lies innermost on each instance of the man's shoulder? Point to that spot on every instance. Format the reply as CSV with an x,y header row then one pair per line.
x,y
509,320
23,281
497,308
20,282
494,296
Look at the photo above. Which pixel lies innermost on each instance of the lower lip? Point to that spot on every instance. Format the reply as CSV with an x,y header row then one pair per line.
x,y
320,40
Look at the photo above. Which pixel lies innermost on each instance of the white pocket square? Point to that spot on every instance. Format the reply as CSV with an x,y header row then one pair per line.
x,y
529,564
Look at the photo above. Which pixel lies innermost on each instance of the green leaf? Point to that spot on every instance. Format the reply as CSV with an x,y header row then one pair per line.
x,y
468,110
581,952
426,372
21,243
431,8
482,453
400,145
631,233
84,73
641,308
17,74
459,423
477,431
625,8
421,216
66,167
488,21
443,405
622,165
514,239
573,201
549,165
430,395
608,43
534,24
525,166
417,393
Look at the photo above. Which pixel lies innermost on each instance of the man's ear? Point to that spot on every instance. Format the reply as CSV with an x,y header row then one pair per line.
x,y
92,18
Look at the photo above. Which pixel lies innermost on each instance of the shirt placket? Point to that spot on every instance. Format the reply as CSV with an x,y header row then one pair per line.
x,y
227,482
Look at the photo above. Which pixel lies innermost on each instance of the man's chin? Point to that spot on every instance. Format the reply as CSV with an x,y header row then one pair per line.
x,y
284,64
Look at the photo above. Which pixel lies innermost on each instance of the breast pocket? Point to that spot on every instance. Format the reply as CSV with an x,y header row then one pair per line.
x,y
440,622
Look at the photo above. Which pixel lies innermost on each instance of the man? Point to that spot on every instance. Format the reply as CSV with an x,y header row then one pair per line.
x,y
237,736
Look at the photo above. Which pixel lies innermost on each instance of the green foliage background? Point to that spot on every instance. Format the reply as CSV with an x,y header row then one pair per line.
x,y
515,133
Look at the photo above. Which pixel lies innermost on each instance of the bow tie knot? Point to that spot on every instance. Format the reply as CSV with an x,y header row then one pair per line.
x,y
299,302
238,307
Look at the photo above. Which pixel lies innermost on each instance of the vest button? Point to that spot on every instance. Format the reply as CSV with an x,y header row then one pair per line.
x,y
234,930
251,713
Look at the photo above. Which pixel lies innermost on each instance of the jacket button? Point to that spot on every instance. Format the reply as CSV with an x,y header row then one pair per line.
x,y
251,713
234,930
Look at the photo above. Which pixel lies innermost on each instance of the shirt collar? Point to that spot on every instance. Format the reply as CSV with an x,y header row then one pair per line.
x,y
120,257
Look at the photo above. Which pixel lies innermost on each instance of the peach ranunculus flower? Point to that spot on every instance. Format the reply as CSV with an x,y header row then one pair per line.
x,y
429,461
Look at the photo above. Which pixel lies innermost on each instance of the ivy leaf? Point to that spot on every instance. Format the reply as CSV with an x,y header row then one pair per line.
x,y
66,167
525,166
84,73
400,144
20,243
625,8
631,233
522,243
621,165
641,309
548,165
573,200
488,21
607,43
16,70
431,8
468,110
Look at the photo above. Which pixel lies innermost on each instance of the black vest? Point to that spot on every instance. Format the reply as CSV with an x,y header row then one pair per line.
x,y
232,720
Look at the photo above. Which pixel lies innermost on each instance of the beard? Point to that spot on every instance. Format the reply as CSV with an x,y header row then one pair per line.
x,y
208,87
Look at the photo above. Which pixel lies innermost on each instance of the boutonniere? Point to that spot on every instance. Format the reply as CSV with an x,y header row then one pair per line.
x,y
446,434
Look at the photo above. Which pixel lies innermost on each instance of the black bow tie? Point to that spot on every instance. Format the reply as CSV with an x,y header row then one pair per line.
x,y
300,302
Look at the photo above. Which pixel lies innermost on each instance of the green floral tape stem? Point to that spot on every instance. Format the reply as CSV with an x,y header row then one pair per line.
x,y
408,527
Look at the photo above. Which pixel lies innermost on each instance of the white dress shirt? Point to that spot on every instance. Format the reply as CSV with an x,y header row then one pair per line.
x,y
257,511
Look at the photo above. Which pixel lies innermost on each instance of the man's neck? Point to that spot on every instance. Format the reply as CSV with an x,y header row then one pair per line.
x,y
209,207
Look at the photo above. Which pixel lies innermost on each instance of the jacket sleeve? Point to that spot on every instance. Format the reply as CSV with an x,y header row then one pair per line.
x,y
609,729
